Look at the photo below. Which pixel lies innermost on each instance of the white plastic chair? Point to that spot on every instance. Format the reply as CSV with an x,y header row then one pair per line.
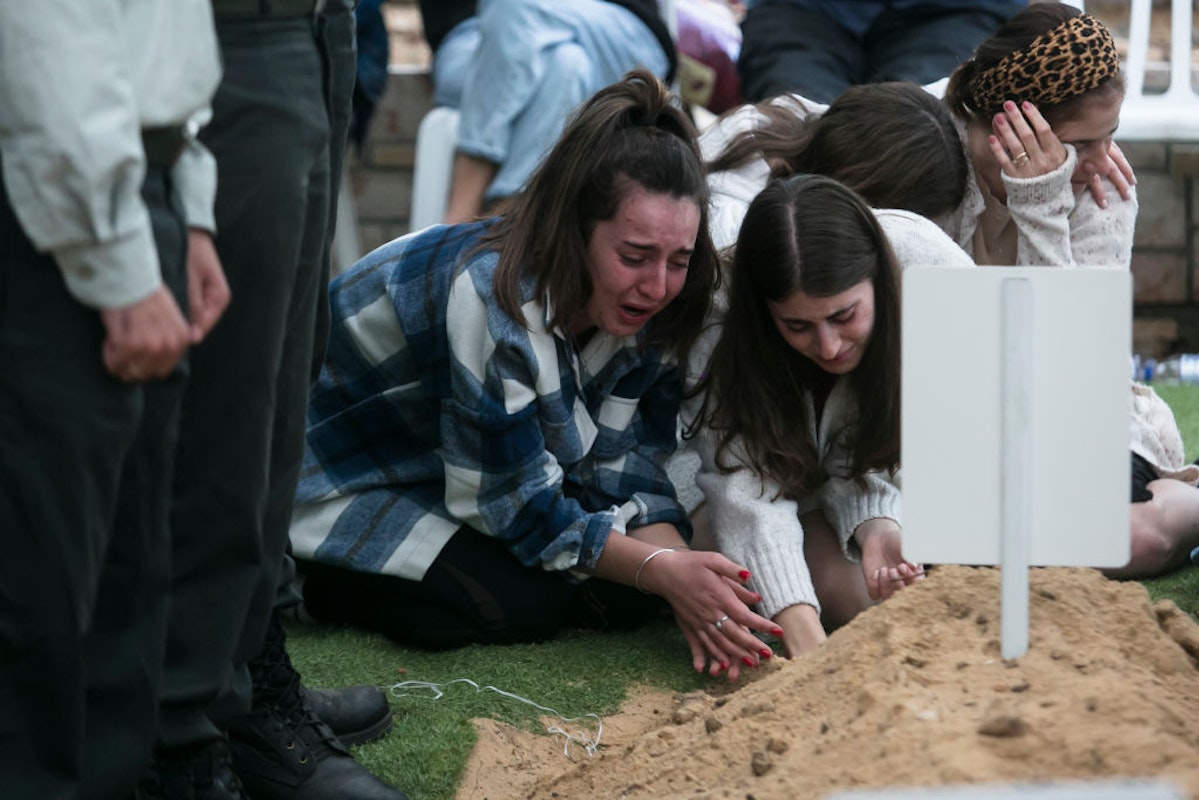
x,y
433,169
1174,115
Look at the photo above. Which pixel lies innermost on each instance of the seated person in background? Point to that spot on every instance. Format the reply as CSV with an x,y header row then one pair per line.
x,y
517,68
819,48
499,397
797,419
1036,145
1164,514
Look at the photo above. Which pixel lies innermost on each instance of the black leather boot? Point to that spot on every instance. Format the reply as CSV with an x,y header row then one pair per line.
x,y
283,751
357,714
204,773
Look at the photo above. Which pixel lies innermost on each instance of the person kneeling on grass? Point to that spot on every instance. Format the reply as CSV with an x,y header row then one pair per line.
x,y
492,420
798,420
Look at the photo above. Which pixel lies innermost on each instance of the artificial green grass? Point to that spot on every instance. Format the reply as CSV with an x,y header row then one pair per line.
x,y
576,674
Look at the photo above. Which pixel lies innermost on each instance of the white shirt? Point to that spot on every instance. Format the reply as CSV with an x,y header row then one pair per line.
x,y
79,79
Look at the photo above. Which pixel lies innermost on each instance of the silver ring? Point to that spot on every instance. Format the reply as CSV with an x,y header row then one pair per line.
x,y
720,622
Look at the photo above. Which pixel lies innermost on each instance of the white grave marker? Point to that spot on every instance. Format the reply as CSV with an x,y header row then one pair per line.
x,y
1016,423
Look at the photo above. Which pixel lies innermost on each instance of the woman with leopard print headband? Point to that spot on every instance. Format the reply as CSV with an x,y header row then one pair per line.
x,y
1037,107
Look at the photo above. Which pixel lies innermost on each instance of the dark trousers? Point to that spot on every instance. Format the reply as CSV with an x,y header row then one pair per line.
x,y
244,416
789,49
85,466
475,592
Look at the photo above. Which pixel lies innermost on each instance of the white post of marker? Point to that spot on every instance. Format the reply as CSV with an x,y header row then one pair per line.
x,y
1016,376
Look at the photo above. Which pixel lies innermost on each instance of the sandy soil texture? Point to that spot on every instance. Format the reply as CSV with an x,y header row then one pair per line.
x,y
913,692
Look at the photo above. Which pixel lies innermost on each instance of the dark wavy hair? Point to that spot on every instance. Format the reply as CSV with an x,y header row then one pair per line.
x,y
893,143
629,134
811,234
1017,34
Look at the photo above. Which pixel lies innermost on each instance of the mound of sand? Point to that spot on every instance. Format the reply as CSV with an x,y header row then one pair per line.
x,y
913,692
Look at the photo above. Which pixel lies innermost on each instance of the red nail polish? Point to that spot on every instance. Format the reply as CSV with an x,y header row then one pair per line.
x,y
743,574
723,666
765,653
777,632
747,661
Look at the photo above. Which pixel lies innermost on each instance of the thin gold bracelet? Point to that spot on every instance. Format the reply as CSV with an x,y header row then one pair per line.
x,y
651,557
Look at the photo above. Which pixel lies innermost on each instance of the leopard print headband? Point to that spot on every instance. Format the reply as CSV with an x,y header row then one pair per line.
x,y
1064,62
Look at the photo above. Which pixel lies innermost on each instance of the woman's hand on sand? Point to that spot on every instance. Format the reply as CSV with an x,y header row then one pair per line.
x,y
802,629
883,565
1023,143
712,607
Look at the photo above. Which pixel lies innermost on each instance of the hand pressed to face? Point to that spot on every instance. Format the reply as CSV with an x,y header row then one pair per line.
x,y
830,331
1090,132
1025,145
638,261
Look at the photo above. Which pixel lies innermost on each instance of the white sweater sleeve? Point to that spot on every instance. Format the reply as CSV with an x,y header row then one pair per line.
x,y
1058,228
847,505
846,502
1102,237
759,531
1041,207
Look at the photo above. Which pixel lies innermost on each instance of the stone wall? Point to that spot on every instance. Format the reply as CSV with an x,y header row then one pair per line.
x,y
1166,247
1165,254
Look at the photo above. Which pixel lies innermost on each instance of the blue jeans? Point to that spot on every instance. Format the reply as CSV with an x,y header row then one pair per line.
x,y
518,69
787,47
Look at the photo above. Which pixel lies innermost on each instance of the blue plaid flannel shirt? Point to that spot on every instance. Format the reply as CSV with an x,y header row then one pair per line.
x,y
436,409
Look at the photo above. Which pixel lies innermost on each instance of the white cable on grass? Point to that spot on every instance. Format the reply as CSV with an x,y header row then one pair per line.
x,y
589,743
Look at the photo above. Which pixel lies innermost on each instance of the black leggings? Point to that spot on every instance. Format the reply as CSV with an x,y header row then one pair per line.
x,y
475,592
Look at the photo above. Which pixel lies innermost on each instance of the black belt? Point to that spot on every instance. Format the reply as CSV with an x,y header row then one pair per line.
x,y
163,145
256,9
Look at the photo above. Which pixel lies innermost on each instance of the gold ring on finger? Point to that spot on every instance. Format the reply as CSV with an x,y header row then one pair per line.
x,y
1020,158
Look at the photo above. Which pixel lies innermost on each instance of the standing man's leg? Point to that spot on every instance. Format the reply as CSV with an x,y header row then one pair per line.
x,y
84,471
126,641
66,425
270,136
267,134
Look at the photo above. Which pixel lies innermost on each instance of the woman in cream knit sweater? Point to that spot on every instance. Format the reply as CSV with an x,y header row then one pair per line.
x,y
1037,106
798,418
896,146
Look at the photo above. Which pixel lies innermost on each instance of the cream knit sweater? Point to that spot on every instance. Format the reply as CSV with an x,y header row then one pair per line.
x,y
1053,227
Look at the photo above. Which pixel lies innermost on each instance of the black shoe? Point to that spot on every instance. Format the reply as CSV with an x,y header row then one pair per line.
x,y
283,751
357,714
205,773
